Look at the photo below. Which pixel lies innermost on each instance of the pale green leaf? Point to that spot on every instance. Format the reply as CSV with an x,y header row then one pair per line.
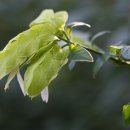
x,y
57,19
40,73
44,17
25,45
40,52
80,54
61,18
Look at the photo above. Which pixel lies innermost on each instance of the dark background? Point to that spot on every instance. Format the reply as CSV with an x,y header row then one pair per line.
x,y
77,101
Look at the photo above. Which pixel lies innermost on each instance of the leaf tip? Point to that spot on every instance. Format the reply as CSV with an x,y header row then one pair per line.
x,y
45,95
5,89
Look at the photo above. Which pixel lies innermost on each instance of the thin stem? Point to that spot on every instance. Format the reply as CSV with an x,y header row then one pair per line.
x,y
66,35
63,39
65,45
111,57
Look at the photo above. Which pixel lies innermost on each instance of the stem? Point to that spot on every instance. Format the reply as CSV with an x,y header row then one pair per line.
x,y
65,45
66,35
111,57
67,40
102,53
64,40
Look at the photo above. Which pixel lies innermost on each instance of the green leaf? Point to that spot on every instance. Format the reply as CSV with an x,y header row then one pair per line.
x,y
75,24
86,44
99,35
40,52
61,18
44,17
27,43
125,53
40,73
57,19
126,114
24,46
99,63
80,54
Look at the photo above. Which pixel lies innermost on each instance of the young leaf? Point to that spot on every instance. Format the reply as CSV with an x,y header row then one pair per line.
x,y
44,17
126,114
45,94
10,78
57,19
40,73
27,43
20,48
61,18
99,63
75,24
80,54
98,35
115,50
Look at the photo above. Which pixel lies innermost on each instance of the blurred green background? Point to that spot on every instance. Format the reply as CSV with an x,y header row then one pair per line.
x,y
77,101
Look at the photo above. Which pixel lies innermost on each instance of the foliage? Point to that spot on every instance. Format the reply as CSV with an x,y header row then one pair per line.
x,y
126,114
39,50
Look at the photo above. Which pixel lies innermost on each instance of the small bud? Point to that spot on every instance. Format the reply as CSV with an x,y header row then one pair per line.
x,y
73,46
